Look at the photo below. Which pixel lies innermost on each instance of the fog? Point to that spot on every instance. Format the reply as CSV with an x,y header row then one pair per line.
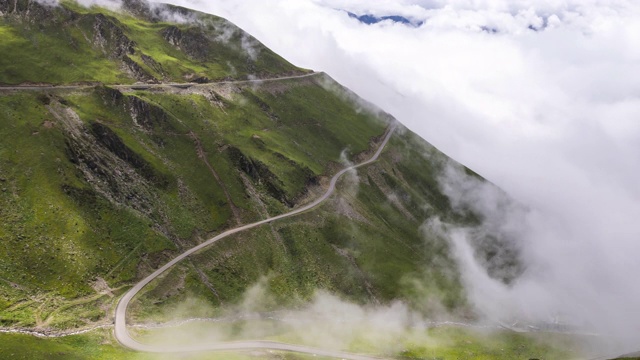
x,y
325,322
109,4
541,98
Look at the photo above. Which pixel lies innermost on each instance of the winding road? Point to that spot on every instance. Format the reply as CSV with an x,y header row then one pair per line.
x,y
146,86
120,324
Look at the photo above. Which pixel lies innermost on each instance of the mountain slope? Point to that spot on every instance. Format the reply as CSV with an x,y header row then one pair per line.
x,y
67,43
101,184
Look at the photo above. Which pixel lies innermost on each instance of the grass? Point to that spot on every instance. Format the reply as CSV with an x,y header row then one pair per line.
x,y
70,44
69,58
67,225
378,252
74,347
99,345
457,343
327,123
57,234
46,222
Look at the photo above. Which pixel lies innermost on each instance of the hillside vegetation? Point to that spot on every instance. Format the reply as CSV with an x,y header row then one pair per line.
x,y
68,43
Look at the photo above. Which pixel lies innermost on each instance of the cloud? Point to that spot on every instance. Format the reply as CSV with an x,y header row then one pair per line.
x,y
48,2
108,4
540,97
337,324
166,13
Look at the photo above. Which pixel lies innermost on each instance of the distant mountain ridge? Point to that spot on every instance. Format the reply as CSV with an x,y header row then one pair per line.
x,y
372,19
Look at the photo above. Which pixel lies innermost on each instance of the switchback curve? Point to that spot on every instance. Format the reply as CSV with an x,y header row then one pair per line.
x,y
120,323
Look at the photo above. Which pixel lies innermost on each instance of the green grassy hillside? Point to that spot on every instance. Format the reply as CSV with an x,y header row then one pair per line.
x,y
69,44
366,243
100,187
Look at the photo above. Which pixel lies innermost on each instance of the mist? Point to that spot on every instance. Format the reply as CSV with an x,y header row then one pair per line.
x,y
107,4
337,324
327,322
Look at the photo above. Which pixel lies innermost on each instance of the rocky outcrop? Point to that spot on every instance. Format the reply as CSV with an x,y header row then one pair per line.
x,y
136,71
259,174
110,176
34,12
192,41
109,95
109,37
7,7
105,33
146,115
498,254
151,63
138,8
110,140
173,35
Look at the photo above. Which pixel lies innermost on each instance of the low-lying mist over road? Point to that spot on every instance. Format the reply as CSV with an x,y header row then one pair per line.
x,y
332,324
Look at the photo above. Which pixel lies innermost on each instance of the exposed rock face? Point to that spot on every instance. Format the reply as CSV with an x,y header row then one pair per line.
x,y
201,40
106,33
150,62
110,38
30,10
110,140
136,71
498,254
113,169
191,41
6,6
138,8
259,173
173,35
110,169
110,96
147,116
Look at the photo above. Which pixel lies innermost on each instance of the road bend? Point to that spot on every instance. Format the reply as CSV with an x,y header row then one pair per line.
x,y
120,325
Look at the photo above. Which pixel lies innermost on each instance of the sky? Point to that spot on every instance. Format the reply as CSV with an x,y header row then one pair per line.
x,y
542,98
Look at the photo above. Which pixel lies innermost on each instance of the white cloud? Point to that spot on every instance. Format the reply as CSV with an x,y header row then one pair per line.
x,y
551,116
48,2
108,4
